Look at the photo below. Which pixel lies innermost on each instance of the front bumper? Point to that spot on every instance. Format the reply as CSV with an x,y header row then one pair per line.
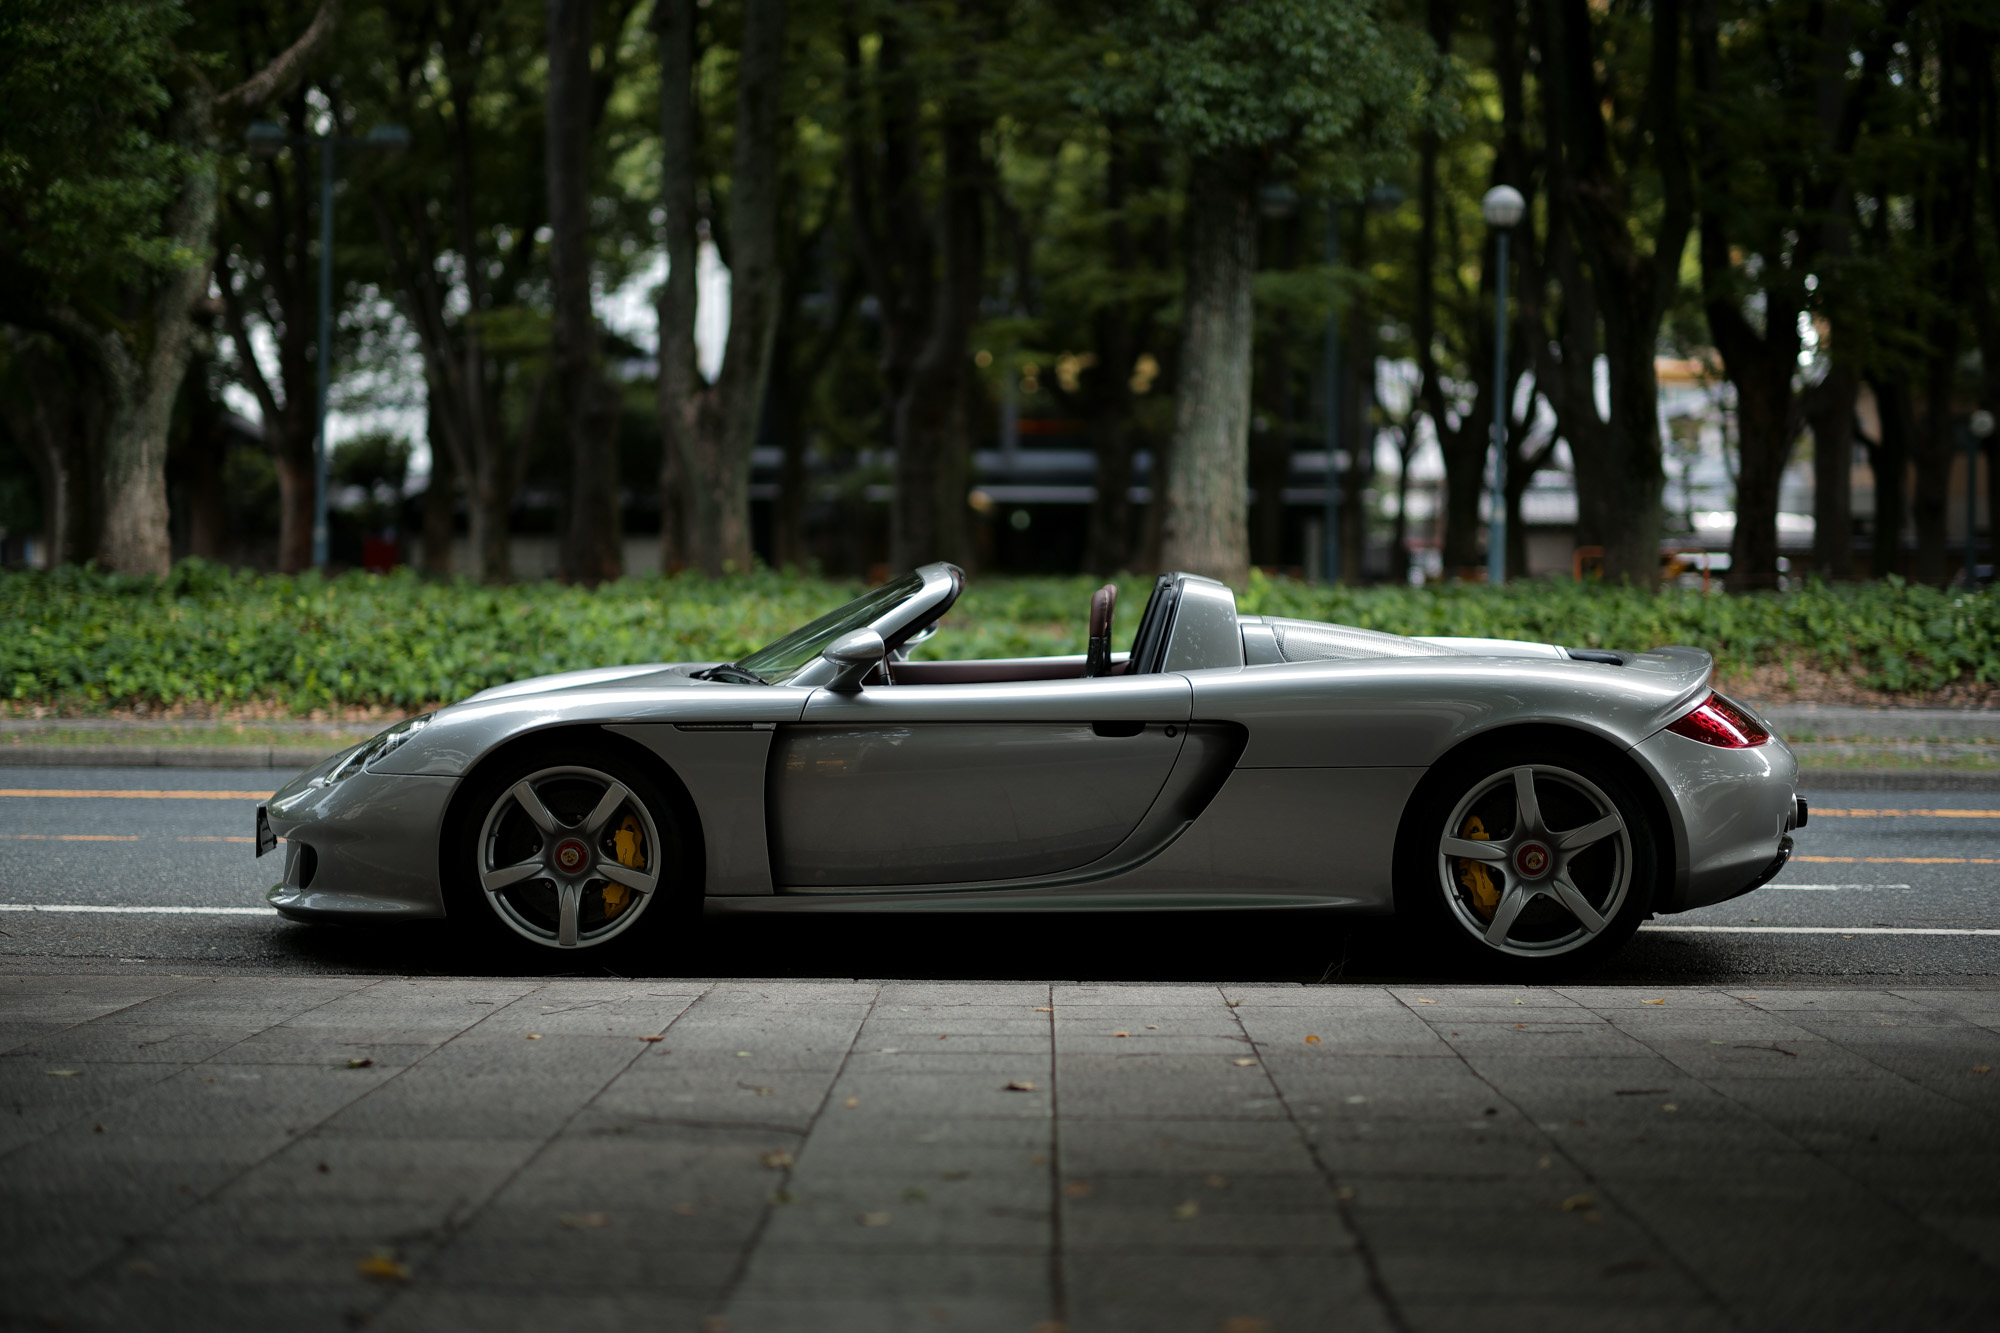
x,y
1732,812
361,849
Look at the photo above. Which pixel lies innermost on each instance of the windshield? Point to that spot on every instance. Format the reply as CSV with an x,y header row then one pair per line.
x,y
776,663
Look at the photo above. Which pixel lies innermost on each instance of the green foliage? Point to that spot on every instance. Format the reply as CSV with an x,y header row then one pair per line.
x,y
85,174
82,640
1274,77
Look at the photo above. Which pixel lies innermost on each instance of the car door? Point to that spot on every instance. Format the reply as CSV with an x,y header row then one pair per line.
x,y
926,785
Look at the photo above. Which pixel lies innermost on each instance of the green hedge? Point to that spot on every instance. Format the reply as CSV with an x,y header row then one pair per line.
x,y
84,641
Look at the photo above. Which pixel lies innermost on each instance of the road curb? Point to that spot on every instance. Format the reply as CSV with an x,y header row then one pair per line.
x,y
288,757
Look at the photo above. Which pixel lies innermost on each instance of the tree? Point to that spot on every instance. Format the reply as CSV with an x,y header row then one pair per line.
x,y
709,430
457,221
1246,93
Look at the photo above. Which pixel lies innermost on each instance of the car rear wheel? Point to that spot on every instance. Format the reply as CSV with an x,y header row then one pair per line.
x,y
568,851
1536,862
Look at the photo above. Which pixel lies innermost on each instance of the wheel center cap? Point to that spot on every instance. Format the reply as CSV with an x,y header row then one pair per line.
x,y
1531,860
571,855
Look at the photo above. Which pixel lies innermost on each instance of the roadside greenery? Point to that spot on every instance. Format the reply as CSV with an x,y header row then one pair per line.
x,y
80,641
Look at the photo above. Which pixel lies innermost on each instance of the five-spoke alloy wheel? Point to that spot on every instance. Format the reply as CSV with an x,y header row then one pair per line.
x,y
566,850
1533,861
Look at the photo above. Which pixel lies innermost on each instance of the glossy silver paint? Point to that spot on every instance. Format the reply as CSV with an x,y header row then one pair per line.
x,y
1269,764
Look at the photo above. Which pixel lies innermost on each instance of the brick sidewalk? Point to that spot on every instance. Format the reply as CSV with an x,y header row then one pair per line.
x,y
334,1153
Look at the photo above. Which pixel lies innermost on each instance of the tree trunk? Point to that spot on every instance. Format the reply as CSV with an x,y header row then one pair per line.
x,y
710,430
591,549
1889,459
142,377
1764,433
439,493
1933,449
1831,414
1204,529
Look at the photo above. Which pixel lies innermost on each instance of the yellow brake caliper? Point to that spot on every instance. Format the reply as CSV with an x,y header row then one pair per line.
x,y
628,844
1475,875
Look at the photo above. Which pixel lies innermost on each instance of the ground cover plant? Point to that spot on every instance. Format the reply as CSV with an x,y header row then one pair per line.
x,y
205,638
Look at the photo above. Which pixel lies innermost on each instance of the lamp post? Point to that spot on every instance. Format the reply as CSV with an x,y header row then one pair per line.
x,y
1978,427
1503,208
266,139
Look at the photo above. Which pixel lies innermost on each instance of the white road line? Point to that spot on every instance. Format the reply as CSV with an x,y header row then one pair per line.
x,y
1795,888
1821,930
135,911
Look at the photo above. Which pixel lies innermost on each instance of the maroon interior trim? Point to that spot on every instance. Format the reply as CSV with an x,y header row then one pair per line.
x,y
994,671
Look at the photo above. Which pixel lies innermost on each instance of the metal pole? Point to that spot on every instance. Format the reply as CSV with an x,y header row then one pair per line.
x,y
1971,507
325,347
1331,371
1496,542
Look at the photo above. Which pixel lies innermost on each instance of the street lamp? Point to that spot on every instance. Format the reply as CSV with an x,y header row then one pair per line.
x,y
266,139
1503,208
1978,427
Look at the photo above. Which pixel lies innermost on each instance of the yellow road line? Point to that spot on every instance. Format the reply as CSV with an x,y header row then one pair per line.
x,y
72,837
1928,814
76,793
215,840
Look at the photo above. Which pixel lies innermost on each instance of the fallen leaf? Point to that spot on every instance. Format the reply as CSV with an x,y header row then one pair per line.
x,y
1669,1106
684,1210
1121,1033
778,1198
69,1073
915,1195
1152,1027
1044,1009
652,1039
1077,1189
1233,1004
873,1219
761,1092
324,1169
777,1159
1311,1040
97,1129
534,1036
1021,1085
1576,1203
1216,1181
714,1323
1345,1194
1520,1002
1243,1323
1356,1099
1491,1110
1982,1069
945,1037
363,1063
1520,1027
743,1055
1426,1001
1544,1163
1652,1001
383,1267
1243,1062
1186,1211
851,1103
584,1221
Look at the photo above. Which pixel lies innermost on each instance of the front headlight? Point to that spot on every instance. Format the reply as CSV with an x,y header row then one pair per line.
x,y
369,751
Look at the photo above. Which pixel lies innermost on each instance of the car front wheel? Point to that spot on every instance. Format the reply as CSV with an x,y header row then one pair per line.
x,y
568,851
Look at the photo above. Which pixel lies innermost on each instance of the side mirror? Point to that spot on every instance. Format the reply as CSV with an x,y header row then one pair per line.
x,y
855,655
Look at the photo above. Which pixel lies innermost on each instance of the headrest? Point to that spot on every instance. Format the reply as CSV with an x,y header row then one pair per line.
x,y
1102,603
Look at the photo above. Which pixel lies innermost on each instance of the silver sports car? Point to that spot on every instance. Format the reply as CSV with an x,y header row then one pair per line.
x,y
1526,804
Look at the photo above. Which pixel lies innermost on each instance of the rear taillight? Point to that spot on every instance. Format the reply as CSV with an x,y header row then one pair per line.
x,y
1720,722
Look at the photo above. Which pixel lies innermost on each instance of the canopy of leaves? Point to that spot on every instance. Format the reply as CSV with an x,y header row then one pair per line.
x,y
84,174
1275,78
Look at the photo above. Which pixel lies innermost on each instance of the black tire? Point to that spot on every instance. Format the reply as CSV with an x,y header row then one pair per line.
x,y
522,923
1566,909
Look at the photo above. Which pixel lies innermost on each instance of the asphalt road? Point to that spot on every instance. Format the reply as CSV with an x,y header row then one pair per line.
x,y
1883,885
